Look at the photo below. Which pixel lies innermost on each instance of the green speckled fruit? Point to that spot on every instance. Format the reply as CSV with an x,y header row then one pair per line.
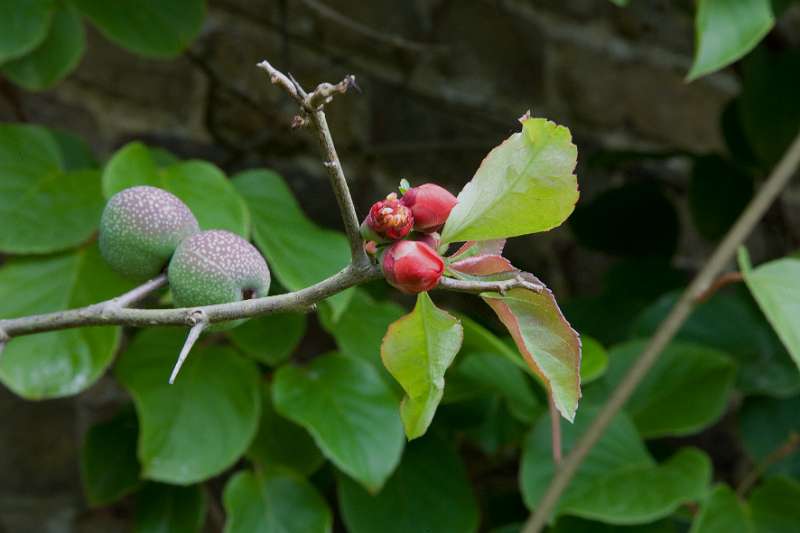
x,y
215,267
140,229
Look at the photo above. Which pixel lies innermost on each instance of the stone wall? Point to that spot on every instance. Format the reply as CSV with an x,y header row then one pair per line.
x,y
442,81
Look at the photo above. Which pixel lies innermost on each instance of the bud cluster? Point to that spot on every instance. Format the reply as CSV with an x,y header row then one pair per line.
x,y
412,265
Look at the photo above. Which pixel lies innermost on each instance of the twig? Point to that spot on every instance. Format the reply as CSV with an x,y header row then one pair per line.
x,y
475,287
200,323
139,293
786,449
100,314
666,331
721,282
555,430
312,108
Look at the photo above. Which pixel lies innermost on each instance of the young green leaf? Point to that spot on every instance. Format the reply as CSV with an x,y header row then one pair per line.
x,y
725,30
619,482
349,410
215,401
23,26
417,350
429,492
776,288
109,468
152,28
545,339
274,500
722,512
50,208
161,508
300,253
57,363
525,185
594,359
202,186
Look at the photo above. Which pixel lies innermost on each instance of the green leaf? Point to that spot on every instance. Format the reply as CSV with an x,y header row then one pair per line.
x,y
274,501
480,372
270,339
545,339
23,26
525,185
606,223
618,483
202,186
109,468
57,363
359,332
722,512
152,28
718,193
774,506
725,30
594,360
500,432
417,350
49,208
55,57
215,401
75,153
349,410
299,252
479,339
280,442
776,288
686,390
767,425
731,322
166,508
430,491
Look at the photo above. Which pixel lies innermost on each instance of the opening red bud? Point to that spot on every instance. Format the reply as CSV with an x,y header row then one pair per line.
x,y
430,205
388,219
412,266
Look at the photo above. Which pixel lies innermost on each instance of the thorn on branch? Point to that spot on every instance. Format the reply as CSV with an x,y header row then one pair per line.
x,y
198,321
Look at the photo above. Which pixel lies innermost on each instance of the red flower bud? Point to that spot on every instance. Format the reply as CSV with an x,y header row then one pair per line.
x,y
430,205
387,219
431,239
412,266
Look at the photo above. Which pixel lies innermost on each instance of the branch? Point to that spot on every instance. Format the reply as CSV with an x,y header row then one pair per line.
x,y
108,313
312,110
776,182
477,287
